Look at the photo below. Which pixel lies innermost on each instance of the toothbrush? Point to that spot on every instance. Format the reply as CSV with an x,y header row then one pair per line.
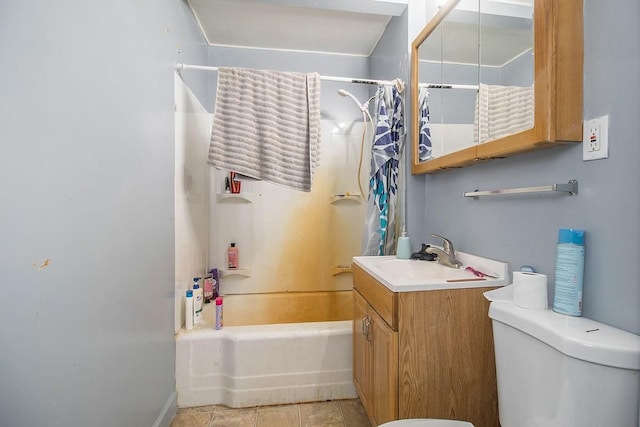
x,y
480,273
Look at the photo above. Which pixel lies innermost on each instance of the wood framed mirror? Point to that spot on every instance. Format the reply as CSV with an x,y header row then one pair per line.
x,y
555,86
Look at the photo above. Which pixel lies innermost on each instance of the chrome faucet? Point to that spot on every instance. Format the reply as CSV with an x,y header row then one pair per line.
x,y
446,255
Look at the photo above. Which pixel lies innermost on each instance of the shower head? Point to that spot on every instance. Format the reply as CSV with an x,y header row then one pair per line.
x,y
343,92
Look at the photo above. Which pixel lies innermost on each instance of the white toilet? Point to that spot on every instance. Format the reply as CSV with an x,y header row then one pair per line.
x,y
559,371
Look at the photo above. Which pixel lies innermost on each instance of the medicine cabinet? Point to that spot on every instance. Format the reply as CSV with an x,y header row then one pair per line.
x,y
502,77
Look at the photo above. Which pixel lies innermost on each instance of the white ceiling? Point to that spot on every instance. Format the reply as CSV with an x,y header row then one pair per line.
x,y
355,26
333,26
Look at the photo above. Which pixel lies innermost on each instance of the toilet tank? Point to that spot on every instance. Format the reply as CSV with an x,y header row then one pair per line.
x,y
561,371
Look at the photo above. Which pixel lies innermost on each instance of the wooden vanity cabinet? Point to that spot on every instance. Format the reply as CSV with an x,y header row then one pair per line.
x,y
424,354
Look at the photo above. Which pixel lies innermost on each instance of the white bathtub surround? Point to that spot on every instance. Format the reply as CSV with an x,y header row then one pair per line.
x,y
192,134
245,366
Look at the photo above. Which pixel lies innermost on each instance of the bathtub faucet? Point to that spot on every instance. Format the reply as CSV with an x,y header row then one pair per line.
x,y
446,255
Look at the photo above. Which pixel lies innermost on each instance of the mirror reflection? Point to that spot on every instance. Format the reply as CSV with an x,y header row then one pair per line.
x,y
475,75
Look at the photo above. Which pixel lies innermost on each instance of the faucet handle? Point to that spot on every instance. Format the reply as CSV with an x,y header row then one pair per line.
x,y
447,245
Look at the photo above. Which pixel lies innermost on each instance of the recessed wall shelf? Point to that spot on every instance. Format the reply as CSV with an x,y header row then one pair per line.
x,y
340,197
242,197
340,269
245,272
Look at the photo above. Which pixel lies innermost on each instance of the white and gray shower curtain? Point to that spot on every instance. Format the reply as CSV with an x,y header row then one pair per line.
x,y
382,206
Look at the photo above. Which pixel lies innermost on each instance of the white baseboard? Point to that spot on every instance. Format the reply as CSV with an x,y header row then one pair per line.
x,y
168,412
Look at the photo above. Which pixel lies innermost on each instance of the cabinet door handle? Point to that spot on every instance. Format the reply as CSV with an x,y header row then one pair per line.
x,y
365,327
366,324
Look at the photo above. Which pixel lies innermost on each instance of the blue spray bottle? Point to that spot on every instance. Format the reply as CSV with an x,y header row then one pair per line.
x,y
567,297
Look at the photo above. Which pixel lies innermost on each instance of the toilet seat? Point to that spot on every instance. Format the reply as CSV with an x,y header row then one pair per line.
x,y
424,422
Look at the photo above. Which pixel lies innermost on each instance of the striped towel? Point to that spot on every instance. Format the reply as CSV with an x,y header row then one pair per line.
x,y
266,125
502,111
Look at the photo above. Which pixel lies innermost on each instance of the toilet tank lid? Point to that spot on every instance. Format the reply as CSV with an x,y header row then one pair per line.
x,y
577,337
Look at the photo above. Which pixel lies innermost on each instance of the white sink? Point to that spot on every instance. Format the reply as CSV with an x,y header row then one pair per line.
x,y
405,270
404,275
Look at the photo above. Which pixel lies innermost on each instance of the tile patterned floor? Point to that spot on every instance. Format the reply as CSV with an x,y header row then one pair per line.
x,y
337,413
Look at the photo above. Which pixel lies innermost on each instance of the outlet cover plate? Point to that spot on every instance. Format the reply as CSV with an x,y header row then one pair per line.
x,y
595,144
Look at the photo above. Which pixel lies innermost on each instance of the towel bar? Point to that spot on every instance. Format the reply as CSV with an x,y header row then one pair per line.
x,y
571,187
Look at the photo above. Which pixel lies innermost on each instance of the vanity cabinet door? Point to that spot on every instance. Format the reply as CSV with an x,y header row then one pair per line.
x,y
361,351
385,370
375,362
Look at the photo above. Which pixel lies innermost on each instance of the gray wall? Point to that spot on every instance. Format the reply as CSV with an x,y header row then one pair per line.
x,y
519,71
87,131
523,229
390,58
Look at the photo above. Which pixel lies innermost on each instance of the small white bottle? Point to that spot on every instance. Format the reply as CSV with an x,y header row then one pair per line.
x,y
197,301
403,251
188,310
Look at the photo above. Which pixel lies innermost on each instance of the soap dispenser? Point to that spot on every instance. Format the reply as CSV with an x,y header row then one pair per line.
x,y
403,250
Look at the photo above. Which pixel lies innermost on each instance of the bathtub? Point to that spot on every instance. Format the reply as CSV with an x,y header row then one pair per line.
x,y
254,365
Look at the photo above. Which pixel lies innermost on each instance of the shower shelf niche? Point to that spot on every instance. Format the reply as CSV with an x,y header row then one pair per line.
x,y
230,197
340,269
244,272
341,197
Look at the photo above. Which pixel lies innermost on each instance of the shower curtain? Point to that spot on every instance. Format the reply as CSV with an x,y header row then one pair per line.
x,y
424,143
382,219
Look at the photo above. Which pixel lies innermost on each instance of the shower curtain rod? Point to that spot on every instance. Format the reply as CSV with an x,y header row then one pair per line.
x,y
326,78
447,86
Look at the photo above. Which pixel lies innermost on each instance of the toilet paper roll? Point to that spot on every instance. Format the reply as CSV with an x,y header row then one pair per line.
x,y
530,290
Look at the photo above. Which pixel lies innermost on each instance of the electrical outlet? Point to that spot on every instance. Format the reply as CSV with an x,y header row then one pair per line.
x,y
595,134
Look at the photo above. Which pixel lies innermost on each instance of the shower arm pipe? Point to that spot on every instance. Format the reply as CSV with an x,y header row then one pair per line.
x,y
325,78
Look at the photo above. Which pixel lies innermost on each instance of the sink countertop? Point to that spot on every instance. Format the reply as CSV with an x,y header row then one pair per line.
x,y
414,275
